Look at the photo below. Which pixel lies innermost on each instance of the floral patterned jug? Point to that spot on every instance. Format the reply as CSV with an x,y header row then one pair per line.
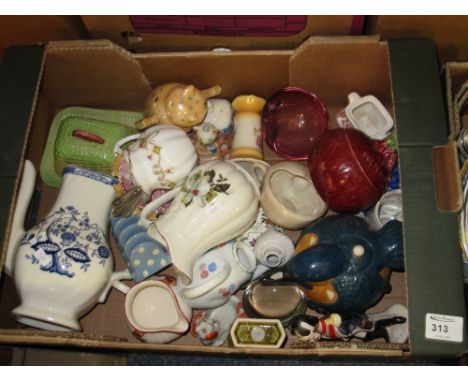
x,y
63,266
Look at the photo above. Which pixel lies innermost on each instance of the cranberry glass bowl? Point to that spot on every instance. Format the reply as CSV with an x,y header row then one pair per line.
x,y
293,119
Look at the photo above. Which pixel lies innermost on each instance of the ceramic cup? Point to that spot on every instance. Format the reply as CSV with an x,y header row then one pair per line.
x,y
218,274
289,197
155,312
247,142
217,202
273,249
389,207
366,114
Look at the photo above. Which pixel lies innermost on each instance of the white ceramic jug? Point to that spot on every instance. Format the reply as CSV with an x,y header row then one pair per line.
x,y
63,266
218,201
218,274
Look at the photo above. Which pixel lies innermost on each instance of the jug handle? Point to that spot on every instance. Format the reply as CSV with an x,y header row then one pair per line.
x,y
121,142
114,281
28,181
154,205
192,293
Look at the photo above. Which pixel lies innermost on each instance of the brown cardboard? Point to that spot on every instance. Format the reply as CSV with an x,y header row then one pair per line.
x,y
447,178
455,75
101,74
120,30
18,30
448,32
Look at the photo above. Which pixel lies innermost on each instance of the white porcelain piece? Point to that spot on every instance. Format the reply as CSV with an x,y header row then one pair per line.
x,y
155,312
219,114
161,157
273,249
255,167
218,274
289,197
212,326
247,142
217,202
63,266
389,207
369,115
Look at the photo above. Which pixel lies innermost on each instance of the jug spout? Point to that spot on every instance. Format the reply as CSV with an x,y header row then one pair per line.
x,y
28,180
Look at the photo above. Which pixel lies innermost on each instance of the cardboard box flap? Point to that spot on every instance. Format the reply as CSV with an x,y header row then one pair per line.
x,y
313,59
456,74
432,250
260,73
447,178
195,33
116,82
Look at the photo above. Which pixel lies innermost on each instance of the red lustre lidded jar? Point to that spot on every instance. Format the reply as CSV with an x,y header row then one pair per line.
x,y
348,172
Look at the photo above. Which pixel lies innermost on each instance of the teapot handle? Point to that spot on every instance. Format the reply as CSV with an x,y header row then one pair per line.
x,y
207,286
121,142
154,205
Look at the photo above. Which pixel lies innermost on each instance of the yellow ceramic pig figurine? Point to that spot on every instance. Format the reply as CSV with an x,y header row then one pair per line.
x,y
177,104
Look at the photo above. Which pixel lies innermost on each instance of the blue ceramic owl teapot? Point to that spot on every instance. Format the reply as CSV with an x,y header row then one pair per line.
x,y
342,266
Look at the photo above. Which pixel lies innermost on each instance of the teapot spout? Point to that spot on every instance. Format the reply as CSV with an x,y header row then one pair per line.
x,y
212,92
17,232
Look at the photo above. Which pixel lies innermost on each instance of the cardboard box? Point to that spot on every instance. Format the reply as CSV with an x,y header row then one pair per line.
x,y
187,33
456,81
38,81
18,30
448,32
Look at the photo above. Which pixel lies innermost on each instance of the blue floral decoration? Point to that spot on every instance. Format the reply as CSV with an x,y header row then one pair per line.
x,y
212,267
66,237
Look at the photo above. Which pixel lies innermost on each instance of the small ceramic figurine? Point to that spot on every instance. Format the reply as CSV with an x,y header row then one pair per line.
x,y
248,141
210,138
210,143
177,104
212,326
342,266
392,325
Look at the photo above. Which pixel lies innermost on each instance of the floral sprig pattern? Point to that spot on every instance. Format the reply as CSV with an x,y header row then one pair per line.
x,y
204,187
147,142
66,237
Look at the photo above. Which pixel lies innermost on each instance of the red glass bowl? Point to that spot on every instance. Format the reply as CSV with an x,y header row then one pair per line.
x,y
348,172
293,119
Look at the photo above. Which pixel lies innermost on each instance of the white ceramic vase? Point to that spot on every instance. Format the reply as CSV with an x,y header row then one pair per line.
x,y
63,266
